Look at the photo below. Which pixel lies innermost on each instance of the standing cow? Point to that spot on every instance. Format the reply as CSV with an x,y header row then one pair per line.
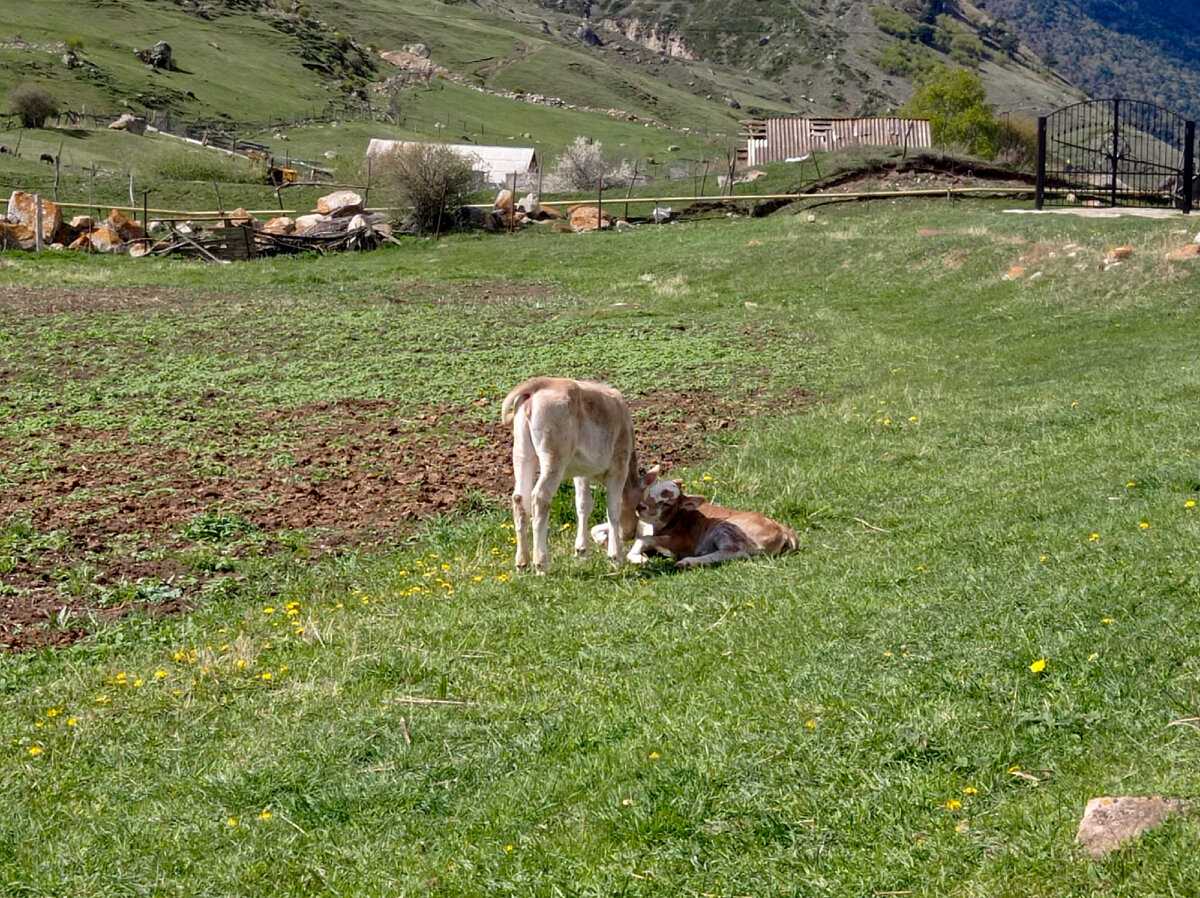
x,y
570,428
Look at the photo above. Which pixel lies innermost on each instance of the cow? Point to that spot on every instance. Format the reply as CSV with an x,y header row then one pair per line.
x,y
697,532
570,428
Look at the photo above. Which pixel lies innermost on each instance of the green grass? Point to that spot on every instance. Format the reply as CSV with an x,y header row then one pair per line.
x,y
999,472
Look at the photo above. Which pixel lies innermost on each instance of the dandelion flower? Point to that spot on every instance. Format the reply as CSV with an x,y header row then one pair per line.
x,y
970,790
654,756
1190,503
265,815
232,821
1145,525
1107,620
952,805
1094,537
1038,666
35,750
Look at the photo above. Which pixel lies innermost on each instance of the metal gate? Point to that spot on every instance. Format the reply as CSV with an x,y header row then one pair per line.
x,y
1116,153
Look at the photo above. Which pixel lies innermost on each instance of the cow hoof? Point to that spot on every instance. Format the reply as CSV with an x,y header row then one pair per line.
x,y
581,552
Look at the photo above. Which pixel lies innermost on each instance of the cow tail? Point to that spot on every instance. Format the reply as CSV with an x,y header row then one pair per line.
x,y
512,402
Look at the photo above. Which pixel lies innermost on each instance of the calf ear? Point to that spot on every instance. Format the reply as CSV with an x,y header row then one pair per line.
x,y
650,476
691,503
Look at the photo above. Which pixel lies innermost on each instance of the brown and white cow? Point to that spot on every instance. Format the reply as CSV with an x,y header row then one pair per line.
x,y
698,532
570,428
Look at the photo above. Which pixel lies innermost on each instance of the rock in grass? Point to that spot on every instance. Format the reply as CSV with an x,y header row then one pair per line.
x,y
1108,822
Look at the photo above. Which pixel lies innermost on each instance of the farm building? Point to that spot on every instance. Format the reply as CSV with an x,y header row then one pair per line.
x,y
495,164
776,139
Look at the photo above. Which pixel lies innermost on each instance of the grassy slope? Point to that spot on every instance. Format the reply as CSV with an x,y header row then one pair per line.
x,y
1001,472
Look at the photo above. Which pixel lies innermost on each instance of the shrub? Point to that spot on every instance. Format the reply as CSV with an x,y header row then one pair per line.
x,y
33,105
428,179
954,101
583,166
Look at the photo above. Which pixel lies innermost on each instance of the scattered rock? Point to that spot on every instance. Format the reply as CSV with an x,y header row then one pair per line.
x,y
1108,822
1116,256
1013,273
157,57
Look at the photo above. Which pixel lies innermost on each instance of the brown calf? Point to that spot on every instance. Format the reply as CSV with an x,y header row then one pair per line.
x,y
570,428
698,532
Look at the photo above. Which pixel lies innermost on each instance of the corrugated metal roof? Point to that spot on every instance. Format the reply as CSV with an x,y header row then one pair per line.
x,y
775,139
496,164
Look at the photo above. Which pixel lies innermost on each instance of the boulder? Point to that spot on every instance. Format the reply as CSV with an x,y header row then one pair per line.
x,y
1109,822
101,240
158,56
309,221
281,225
17,236
589,218
240,218
23,209
128,122
340,203
126,228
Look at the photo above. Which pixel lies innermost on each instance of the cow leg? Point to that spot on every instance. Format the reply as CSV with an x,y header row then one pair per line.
x,y
583,512
612,499
524,474
724,545
543,494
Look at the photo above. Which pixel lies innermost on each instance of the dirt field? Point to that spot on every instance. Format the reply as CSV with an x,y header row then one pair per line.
x,y
110,517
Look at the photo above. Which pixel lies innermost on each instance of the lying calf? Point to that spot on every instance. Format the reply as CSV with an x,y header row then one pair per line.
x,y
697,532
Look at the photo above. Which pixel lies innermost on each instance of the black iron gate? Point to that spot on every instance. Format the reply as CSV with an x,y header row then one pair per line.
x,y
1116,153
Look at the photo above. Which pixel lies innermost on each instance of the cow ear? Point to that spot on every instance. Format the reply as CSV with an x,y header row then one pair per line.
x,y
691,503
650,476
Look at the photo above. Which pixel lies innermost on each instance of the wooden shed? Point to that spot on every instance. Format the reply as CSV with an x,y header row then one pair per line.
x,y
779,139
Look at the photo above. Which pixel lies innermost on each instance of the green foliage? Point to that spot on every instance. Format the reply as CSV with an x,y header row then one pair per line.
x,y
193,165
954,101
32,105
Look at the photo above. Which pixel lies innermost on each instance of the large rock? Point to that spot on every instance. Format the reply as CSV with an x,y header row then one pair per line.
x,y
23,209
129,122
126,228
340,203
589,218
101,240
1108,822
158,56
17,236
309,221
279,225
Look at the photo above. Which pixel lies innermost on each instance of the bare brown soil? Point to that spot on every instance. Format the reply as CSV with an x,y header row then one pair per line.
x,y
358,473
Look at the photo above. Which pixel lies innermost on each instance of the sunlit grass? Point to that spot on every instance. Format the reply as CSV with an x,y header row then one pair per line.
x,y
990,620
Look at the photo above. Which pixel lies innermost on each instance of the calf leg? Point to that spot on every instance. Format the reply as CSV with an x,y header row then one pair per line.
x,y
524,472
725,544
583,511
543,495
612,498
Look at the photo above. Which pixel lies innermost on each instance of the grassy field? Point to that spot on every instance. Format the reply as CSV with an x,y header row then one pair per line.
x,y
991,620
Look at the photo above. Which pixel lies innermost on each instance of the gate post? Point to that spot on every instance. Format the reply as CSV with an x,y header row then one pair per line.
x,y
1116,148
1039,194
1189,164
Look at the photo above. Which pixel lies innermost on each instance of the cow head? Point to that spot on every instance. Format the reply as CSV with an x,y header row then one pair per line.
x,y
662,500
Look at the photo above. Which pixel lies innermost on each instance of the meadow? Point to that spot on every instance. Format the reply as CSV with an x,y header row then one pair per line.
x,y
991,618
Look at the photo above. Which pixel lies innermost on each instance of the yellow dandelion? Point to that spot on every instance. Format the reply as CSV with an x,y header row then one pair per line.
x,y
1145,525
1094,537
160,674
654,756
102,699
1107,620
232,821
970,790
1093,656
270,609
265,815
71,721
266,675
35,750
508,848
1190,503
811,724
52,712
1131,484
952,805
1038,666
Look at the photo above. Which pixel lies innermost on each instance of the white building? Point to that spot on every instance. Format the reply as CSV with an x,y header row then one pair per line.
x,y
496,165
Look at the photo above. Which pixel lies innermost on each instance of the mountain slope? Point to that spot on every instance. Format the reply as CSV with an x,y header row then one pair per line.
x,y
1137,49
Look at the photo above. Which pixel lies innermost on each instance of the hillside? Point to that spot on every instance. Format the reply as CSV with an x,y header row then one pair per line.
x,y
1136,49
708,65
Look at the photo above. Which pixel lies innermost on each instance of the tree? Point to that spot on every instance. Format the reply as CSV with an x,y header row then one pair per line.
x,y
427,178
583,166
33,105
955,102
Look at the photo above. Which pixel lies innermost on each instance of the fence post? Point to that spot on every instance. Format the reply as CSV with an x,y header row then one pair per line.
x,y
1189,164
1039,193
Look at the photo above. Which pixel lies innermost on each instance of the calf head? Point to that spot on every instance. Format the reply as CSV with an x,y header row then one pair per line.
x,y
662,500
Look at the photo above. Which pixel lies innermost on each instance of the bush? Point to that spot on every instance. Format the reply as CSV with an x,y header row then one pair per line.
x,y
582,166
426,178
33,105
954,101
